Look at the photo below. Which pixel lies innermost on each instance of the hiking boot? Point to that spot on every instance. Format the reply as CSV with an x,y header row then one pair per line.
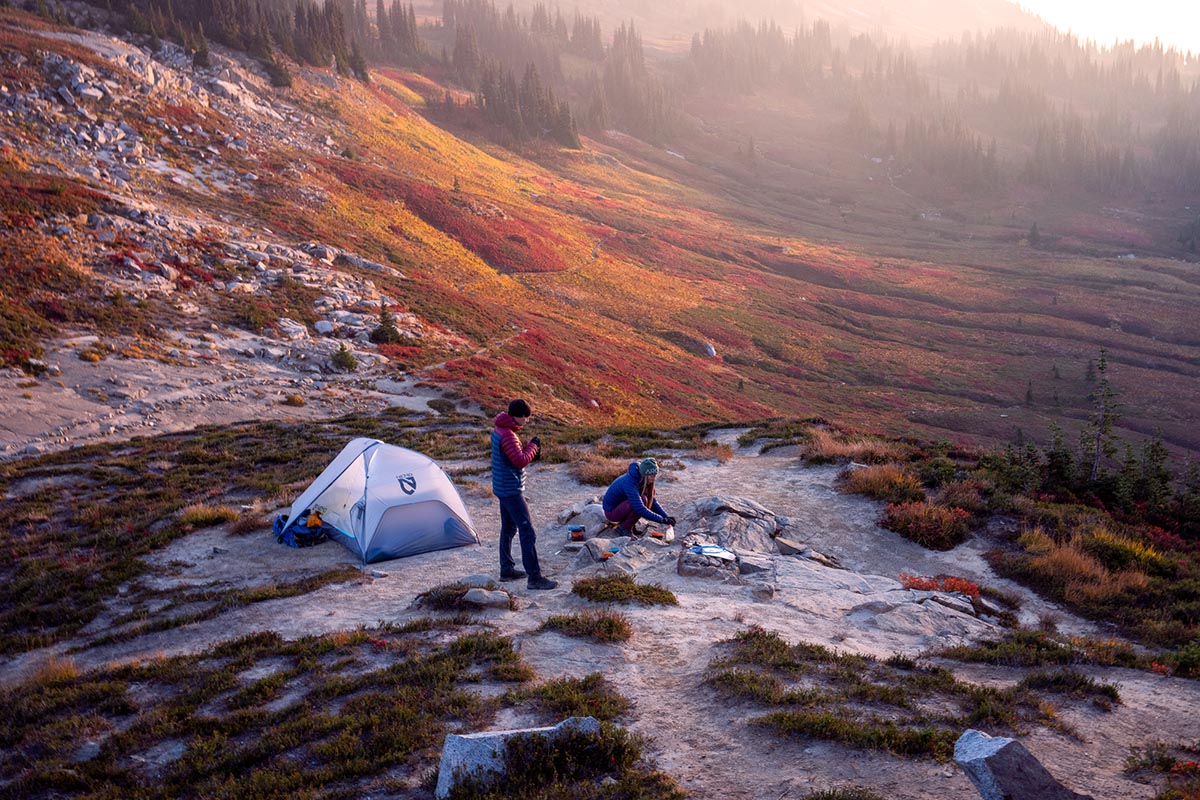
x,y
511,574
541,583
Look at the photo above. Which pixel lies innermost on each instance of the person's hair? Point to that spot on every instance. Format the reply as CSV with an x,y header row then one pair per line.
x,y
646,490
519,408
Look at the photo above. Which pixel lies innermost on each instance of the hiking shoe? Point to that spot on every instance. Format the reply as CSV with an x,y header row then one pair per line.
x,y
511,574
541,583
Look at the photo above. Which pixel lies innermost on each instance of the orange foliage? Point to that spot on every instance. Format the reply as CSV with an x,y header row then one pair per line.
x,y
941,583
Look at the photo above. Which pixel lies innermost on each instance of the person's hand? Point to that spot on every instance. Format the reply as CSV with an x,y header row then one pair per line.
x,y
671,521
537,440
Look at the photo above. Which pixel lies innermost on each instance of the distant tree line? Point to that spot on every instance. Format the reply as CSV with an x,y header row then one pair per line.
x,y
302,30
620,91
528,110
390,38
1049,142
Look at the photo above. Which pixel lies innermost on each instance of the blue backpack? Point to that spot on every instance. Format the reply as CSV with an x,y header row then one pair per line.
x,y
298,534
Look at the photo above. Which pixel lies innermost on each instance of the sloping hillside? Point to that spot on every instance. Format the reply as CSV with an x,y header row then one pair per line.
x,y
163,219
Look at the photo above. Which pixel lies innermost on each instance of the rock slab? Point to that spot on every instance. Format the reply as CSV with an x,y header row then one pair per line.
x,y
736,523
1002,769
481,755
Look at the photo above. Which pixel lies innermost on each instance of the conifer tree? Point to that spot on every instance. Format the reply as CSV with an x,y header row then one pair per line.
x,y
1096,440
201,58
358,63
386,332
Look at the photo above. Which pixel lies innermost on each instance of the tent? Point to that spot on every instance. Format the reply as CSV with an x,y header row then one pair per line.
x,y
383,501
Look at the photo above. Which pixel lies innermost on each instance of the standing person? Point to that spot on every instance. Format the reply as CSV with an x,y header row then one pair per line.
x,y
631,497
509,459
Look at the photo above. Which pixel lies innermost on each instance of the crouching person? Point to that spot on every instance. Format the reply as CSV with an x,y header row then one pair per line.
x,y
509,459
631,497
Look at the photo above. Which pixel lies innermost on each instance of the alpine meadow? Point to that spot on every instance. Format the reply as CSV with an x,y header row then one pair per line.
x,y
883,314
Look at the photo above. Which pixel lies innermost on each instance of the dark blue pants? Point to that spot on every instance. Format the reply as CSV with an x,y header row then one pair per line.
x,y
514,518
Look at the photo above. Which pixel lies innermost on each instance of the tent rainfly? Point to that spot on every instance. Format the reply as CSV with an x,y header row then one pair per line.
x,y
384,501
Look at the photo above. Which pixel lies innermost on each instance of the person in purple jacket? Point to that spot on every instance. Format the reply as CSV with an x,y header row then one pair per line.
x,y
509,459
631,497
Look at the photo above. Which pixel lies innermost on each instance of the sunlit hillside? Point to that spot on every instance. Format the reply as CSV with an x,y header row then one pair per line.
x,y
765,263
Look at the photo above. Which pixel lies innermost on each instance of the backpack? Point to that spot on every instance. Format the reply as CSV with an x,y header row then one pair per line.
x,y
300,535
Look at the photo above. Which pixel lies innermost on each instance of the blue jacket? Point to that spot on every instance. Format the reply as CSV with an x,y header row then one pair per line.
x,y
509,458
626,488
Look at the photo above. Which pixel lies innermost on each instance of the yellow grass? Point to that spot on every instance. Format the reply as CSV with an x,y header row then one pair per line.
x,y
1036,541
1071,565
1125,548
594,470
1083,577
55,669
827,445
203,516
721,452
1113,585
889,482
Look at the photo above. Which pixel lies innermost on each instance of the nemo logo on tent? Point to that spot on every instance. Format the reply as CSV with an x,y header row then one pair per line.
x,y
408,483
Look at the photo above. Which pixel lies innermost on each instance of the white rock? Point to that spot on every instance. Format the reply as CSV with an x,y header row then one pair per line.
x,y
290,329
489,598
481,755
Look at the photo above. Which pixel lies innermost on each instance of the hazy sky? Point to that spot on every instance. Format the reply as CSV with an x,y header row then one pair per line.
x,y
1175,22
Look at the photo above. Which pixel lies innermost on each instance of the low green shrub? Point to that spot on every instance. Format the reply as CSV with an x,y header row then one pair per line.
x,y
622,589
870,733
1074,683
444,597
1185,662
849,793
590,696
1026,648
575,766
598,625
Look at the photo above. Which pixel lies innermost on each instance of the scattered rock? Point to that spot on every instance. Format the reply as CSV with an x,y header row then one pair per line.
x,y
322,252
567,514
1002,769
85,752
750,563
481,755
788,547
821,558
489,598
290,329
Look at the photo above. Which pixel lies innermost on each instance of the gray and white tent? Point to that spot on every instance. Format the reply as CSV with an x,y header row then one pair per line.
x,y
387,502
